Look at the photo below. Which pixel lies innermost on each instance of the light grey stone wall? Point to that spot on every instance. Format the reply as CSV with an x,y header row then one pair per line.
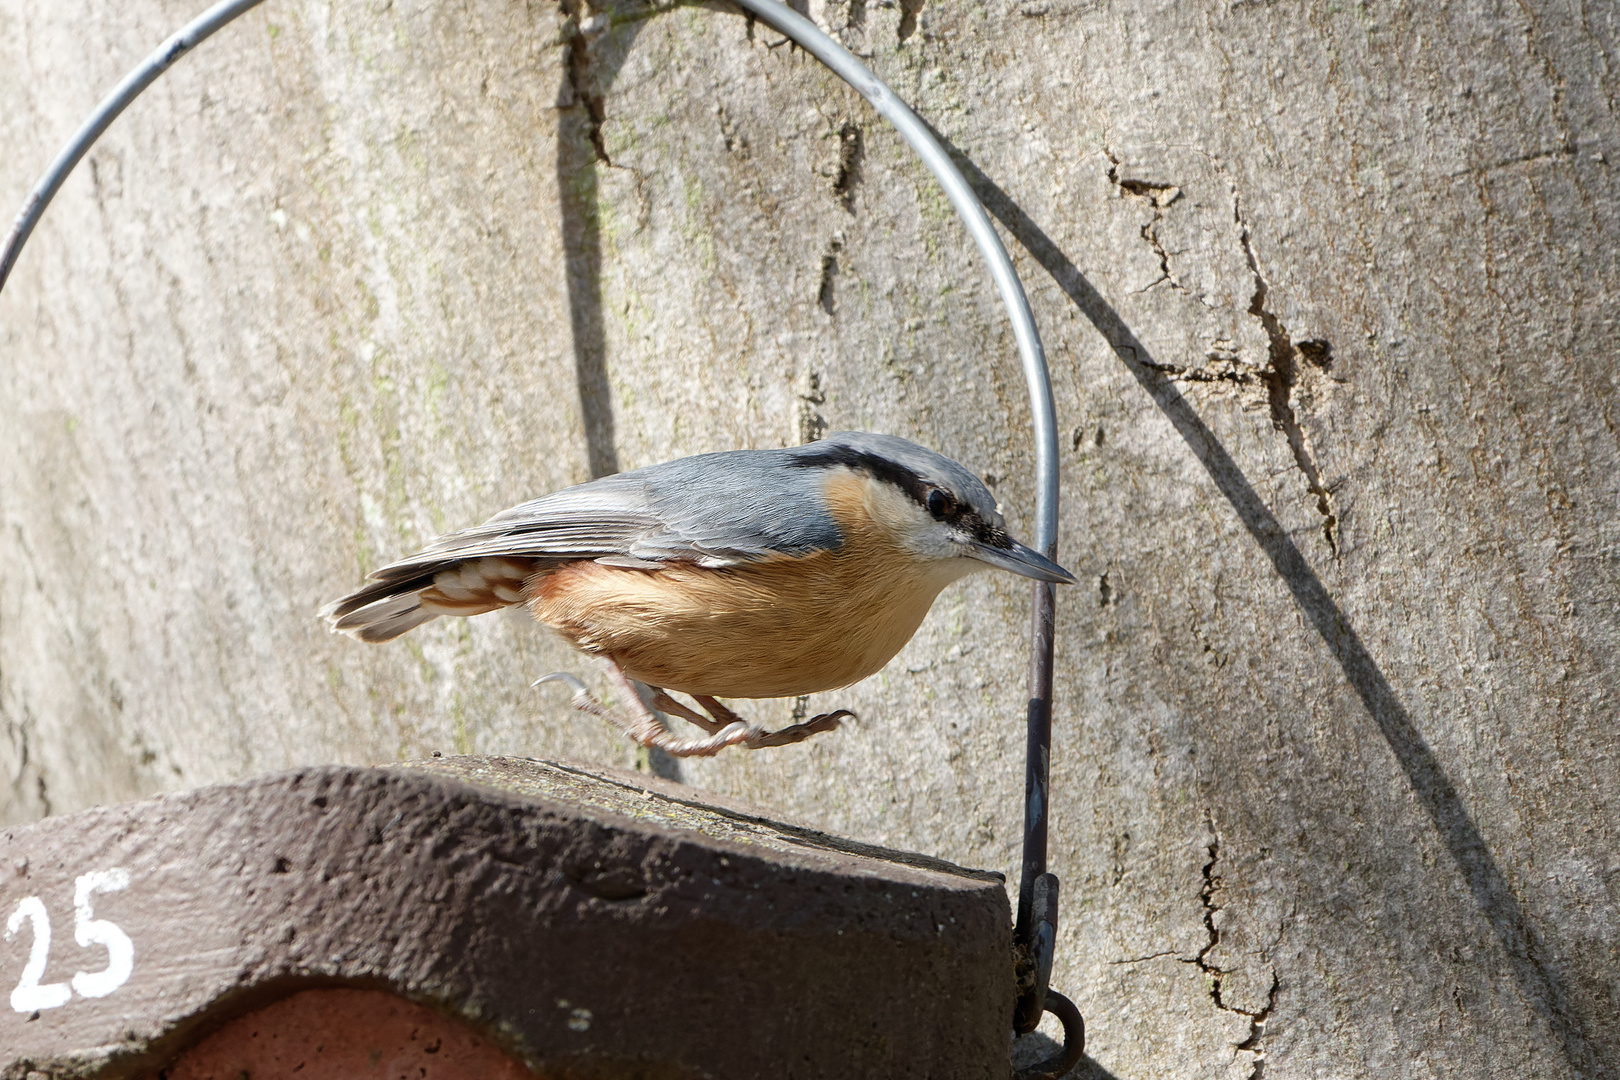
x,y
1330,294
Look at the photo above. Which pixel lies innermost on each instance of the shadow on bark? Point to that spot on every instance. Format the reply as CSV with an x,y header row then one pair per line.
x,y
1029,1049
580,152
1539,980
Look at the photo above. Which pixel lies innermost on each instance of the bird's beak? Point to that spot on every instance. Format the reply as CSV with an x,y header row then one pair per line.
x,y
1026,562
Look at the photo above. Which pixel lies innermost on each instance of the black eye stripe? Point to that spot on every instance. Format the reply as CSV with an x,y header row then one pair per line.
x,y
881,468
919,490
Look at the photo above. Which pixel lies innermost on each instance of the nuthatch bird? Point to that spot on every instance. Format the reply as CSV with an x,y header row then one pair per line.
x,y
744,574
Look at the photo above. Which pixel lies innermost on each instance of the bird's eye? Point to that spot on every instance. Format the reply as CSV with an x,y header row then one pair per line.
x,y
939,503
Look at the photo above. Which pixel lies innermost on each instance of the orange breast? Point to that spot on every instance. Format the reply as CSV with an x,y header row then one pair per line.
x,y
776,628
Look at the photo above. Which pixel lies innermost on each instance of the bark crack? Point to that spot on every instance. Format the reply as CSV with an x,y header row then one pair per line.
x,y
1281,376
909,11
1257,1028
1157,196
19,780
1230,373
582,30
1143,959
826,294
851,152
1206,897
1254,1042
812,426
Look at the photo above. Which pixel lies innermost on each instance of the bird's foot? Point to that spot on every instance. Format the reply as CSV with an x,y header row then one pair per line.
x,y
799,732
730,735
786,736
646,729
664,703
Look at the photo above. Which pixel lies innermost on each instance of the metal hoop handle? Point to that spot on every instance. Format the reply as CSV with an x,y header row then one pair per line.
x,y
183,41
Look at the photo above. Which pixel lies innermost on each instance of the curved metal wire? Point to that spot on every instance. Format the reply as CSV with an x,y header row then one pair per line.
x,y
843,63
1037,915
1038,741
186,39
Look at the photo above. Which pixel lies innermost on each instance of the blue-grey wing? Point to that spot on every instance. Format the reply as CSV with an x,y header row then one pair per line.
x,y
713,509
719,509
602,518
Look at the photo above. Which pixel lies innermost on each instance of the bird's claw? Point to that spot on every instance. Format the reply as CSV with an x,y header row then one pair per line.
x,y
562,677
799,732
726,728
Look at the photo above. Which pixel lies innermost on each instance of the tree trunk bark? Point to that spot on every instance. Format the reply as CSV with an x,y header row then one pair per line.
x,y
1330,295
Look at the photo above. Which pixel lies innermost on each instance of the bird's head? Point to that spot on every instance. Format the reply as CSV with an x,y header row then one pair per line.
x,y
931,506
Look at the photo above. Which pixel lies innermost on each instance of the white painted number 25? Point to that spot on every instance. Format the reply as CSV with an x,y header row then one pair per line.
x,y
30,994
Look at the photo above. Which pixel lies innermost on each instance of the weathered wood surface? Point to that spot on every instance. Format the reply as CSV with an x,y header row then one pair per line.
x,y
1330,295
589,922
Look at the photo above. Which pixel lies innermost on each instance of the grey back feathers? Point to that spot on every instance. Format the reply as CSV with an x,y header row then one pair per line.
x,y
713,509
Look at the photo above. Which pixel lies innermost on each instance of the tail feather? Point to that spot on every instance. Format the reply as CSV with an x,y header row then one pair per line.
x,y
367,595
394,625
406,595
389,607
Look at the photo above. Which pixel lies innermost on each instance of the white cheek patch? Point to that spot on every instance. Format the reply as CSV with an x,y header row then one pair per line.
x,y
899,520
890,513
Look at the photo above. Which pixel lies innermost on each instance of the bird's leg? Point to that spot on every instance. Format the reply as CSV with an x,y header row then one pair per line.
x,y
643,725
785,737
666,704
724,717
